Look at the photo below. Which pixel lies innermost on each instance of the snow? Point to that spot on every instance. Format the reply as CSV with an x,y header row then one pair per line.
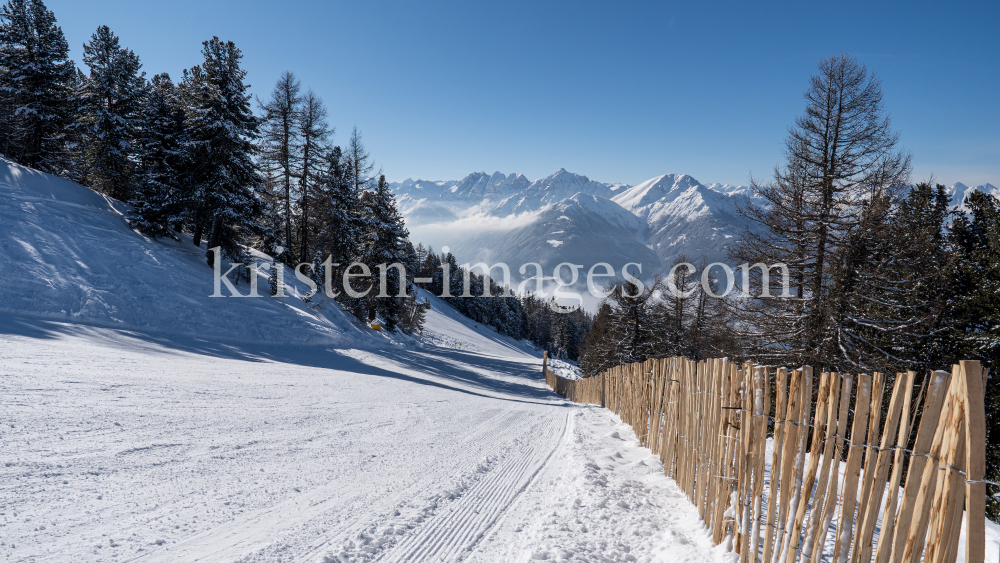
x,y
120,444
69,255
507,218
959,193
141,420
478,215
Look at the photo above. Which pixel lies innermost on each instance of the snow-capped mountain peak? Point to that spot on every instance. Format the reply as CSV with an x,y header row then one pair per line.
x,y
958,193
660,189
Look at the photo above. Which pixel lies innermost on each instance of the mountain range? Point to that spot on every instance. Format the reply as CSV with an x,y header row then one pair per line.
x,y
567,217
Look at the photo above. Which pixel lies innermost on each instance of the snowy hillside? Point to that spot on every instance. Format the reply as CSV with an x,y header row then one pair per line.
x,y
685,217
142,420
582,229
69,255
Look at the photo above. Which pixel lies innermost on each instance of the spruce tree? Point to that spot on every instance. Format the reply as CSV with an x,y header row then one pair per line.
x,y
385,243
110,107
975,308
161,166
223,200
35,86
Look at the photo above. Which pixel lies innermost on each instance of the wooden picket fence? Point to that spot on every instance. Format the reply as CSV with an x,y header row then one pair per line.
x,y
709,421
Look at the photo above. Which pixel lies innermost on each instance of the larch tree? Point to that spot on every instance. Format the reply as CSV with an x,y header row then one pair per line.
x,y
279,139
313,132
842,164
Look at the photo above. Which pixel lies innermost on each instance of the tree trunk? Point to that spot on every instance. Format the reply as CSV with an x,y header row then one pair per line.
x,y
214,239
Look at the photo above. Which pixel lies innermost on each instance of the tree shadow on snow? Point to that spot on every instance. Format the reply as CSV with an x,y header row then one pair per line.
x,y
444,368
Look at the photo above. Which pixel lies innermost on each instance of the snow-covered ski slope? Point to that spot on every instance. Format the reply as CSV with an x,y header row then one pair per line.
x,y
141,420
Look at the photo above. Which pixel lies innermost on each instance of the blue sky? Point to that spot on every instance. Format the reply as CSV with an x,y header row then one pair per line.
x,y
618,91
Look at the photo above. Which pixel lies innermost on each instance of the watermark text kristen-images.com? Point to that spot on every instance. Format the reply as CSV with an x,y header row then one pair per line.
x,y
359,271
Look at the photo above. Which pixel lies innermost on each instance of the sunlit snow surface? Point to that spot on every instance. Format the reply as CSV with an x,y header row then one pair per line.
x,y
141,420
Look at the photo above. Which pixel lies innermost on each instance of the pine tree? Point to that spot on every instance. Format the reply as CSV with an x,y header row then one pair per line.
x,y
975,308
385,243
225,183
897,279
161,168
35,86
336,211
413,314
110,107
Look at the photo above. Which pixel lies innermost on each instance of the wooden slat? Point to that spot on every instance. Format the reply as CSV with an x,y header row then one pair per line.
x,y
945,522
689,427
951,519
887,532
869,510
906,527
916,538
744,472
793,448
870,457
706,440
975,459
717,483
821,421
779,427
656,420
828,441
762,385
670,423
849,496
830,502
731,459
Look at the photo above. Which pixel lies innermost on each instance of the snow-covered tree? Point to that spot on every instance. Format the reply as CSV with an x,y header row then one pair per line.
x,y
336,210
162,166
223,199
110,112
35,86
385,242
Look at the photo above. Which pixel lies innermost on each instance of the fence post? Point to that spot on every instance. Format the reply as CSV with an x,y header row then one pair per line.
x,y
975,462
917,479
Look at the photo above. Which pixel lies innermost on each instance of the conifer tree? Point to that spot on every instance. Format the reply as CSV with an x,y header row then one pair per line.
x,y
35,86
279,158
336,209
842,159
110,107
313,133
225,184
161,167
975,309
385,243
